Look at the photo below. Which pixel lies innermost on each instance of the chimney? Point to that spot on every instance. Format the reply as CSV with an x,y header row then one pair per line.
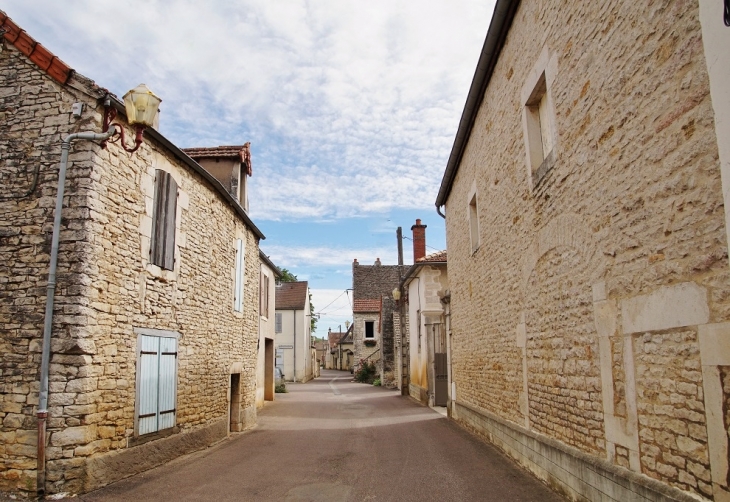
x,y
419,241
377,262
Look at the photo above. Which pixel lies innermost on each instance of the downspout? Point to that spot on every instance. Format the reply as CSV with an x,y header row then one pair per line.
x,y
438,210
42,412
294,378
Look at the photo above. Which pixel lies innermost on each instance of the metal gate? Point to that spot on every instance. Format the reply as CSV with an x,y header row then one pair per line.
x,y
441,371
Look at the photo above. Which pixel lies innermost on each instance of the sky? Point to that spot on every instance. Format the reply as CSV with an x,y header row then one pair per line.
x,y
351,108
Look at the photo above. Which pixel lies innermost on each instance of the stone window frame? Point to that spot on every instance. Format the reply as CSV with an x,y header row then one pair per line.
x,y
264,295
365,330
472,219
140,332
539,124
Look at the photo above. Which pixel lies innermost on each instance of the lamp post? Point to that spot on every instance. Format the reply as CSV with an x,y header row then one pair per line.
x,y
141,106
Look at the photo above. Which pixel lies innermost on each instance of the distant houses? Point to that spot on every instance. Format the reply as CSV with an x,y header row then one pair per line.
x,y
293,331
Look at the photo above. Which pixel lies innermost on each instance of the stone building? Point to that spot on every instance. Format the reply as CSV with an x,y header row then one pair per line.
x,y
588,246
426,284
372,312
293,339
153,346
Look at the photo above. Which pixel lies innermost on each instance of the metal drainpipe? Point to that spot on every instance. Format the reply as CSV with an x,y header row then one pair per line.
x,y
50,293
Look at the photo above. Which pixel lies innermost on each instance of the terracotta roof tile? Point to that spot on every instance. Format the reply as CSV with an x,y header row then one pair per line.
x,y
439,256
291,295
367,305
46,61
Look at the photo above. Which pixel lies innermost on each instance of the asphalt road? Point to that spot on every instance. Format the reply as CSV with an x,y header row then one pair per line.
x,y
334,440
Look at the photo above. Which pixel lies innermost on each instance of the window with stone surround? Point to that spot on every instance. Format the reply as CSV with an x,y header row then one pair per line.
x,y
369,329
264,295
538,118
472,217
155,408
277,323
162,244
240,268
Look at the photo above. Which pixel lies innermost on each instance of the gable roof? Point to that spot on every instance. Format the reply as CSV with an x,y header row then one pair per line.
x,y
504,13
291,295
269,263
367,305
62,73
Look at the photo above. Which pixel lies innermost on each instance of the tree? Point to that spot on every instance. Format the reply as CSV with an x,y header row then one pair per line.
x,y
312,315
287,276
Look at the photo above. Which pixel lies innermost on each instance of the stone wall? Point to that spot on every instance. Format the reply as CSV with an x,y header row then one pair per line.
x,y
107,289
577,317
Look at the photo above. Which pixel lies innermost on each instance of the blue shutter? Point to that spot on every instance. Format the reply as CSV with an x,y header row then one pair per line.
x,y
158,383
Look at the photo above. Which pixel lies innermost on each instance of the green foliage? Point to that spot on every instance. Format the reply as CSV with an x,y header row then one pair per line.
x,y
287,276
376,382
312,316
280,389
366,373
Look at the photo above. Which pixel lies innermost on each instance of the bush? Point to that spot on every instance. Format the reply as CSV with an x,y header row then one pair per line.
x,y
280,389
365,373
376,382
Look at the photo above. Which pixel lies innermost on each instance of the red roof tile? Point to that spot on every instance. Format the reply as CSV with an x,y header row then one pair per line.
x,y
439,256
46,61
367,305
291,295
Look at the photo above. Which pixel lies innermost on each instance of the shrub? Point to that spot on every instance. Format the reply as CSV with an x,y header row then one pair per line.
x,y
280,389
365,373
376,382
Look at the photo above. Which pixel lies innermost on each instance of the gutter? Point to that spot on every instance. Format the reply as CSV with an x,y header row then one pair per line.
x,y
504,13
182,156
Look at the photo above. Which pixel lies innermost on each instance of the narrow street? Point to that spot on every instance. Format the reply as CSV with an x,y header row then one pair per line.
x,y
335,440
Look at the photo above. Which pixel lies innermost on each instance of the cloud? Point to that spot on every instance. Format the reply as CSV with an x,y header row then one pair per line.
x,y
351,107
292,257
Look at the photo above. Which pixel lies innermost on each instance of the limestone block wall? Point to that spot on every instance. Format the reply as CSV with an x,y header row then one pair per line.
x,y
580,317
106,290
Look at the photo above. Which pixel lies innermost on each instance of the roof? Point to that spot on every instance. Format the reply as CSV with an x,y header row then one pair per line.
x,y
269,263
438,257
61,72
367,305
504,13
241,153
291,295
46,61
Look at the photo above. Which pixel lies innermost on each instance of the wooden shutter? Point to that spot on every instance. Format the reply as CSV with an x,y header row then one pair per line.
x,y
238,288
157,383
162,247
277,323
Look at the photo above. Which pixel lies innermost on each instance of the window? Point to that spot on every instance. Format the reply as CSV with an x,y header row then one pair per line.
x,y
277,323
264,295
240,269
156,381
474,223
369,329
538,118
539,130
162,246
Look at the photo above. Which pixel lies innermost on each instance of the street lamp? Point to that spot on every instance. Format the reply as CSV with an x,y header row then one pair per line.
x,y
141,106
396,295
